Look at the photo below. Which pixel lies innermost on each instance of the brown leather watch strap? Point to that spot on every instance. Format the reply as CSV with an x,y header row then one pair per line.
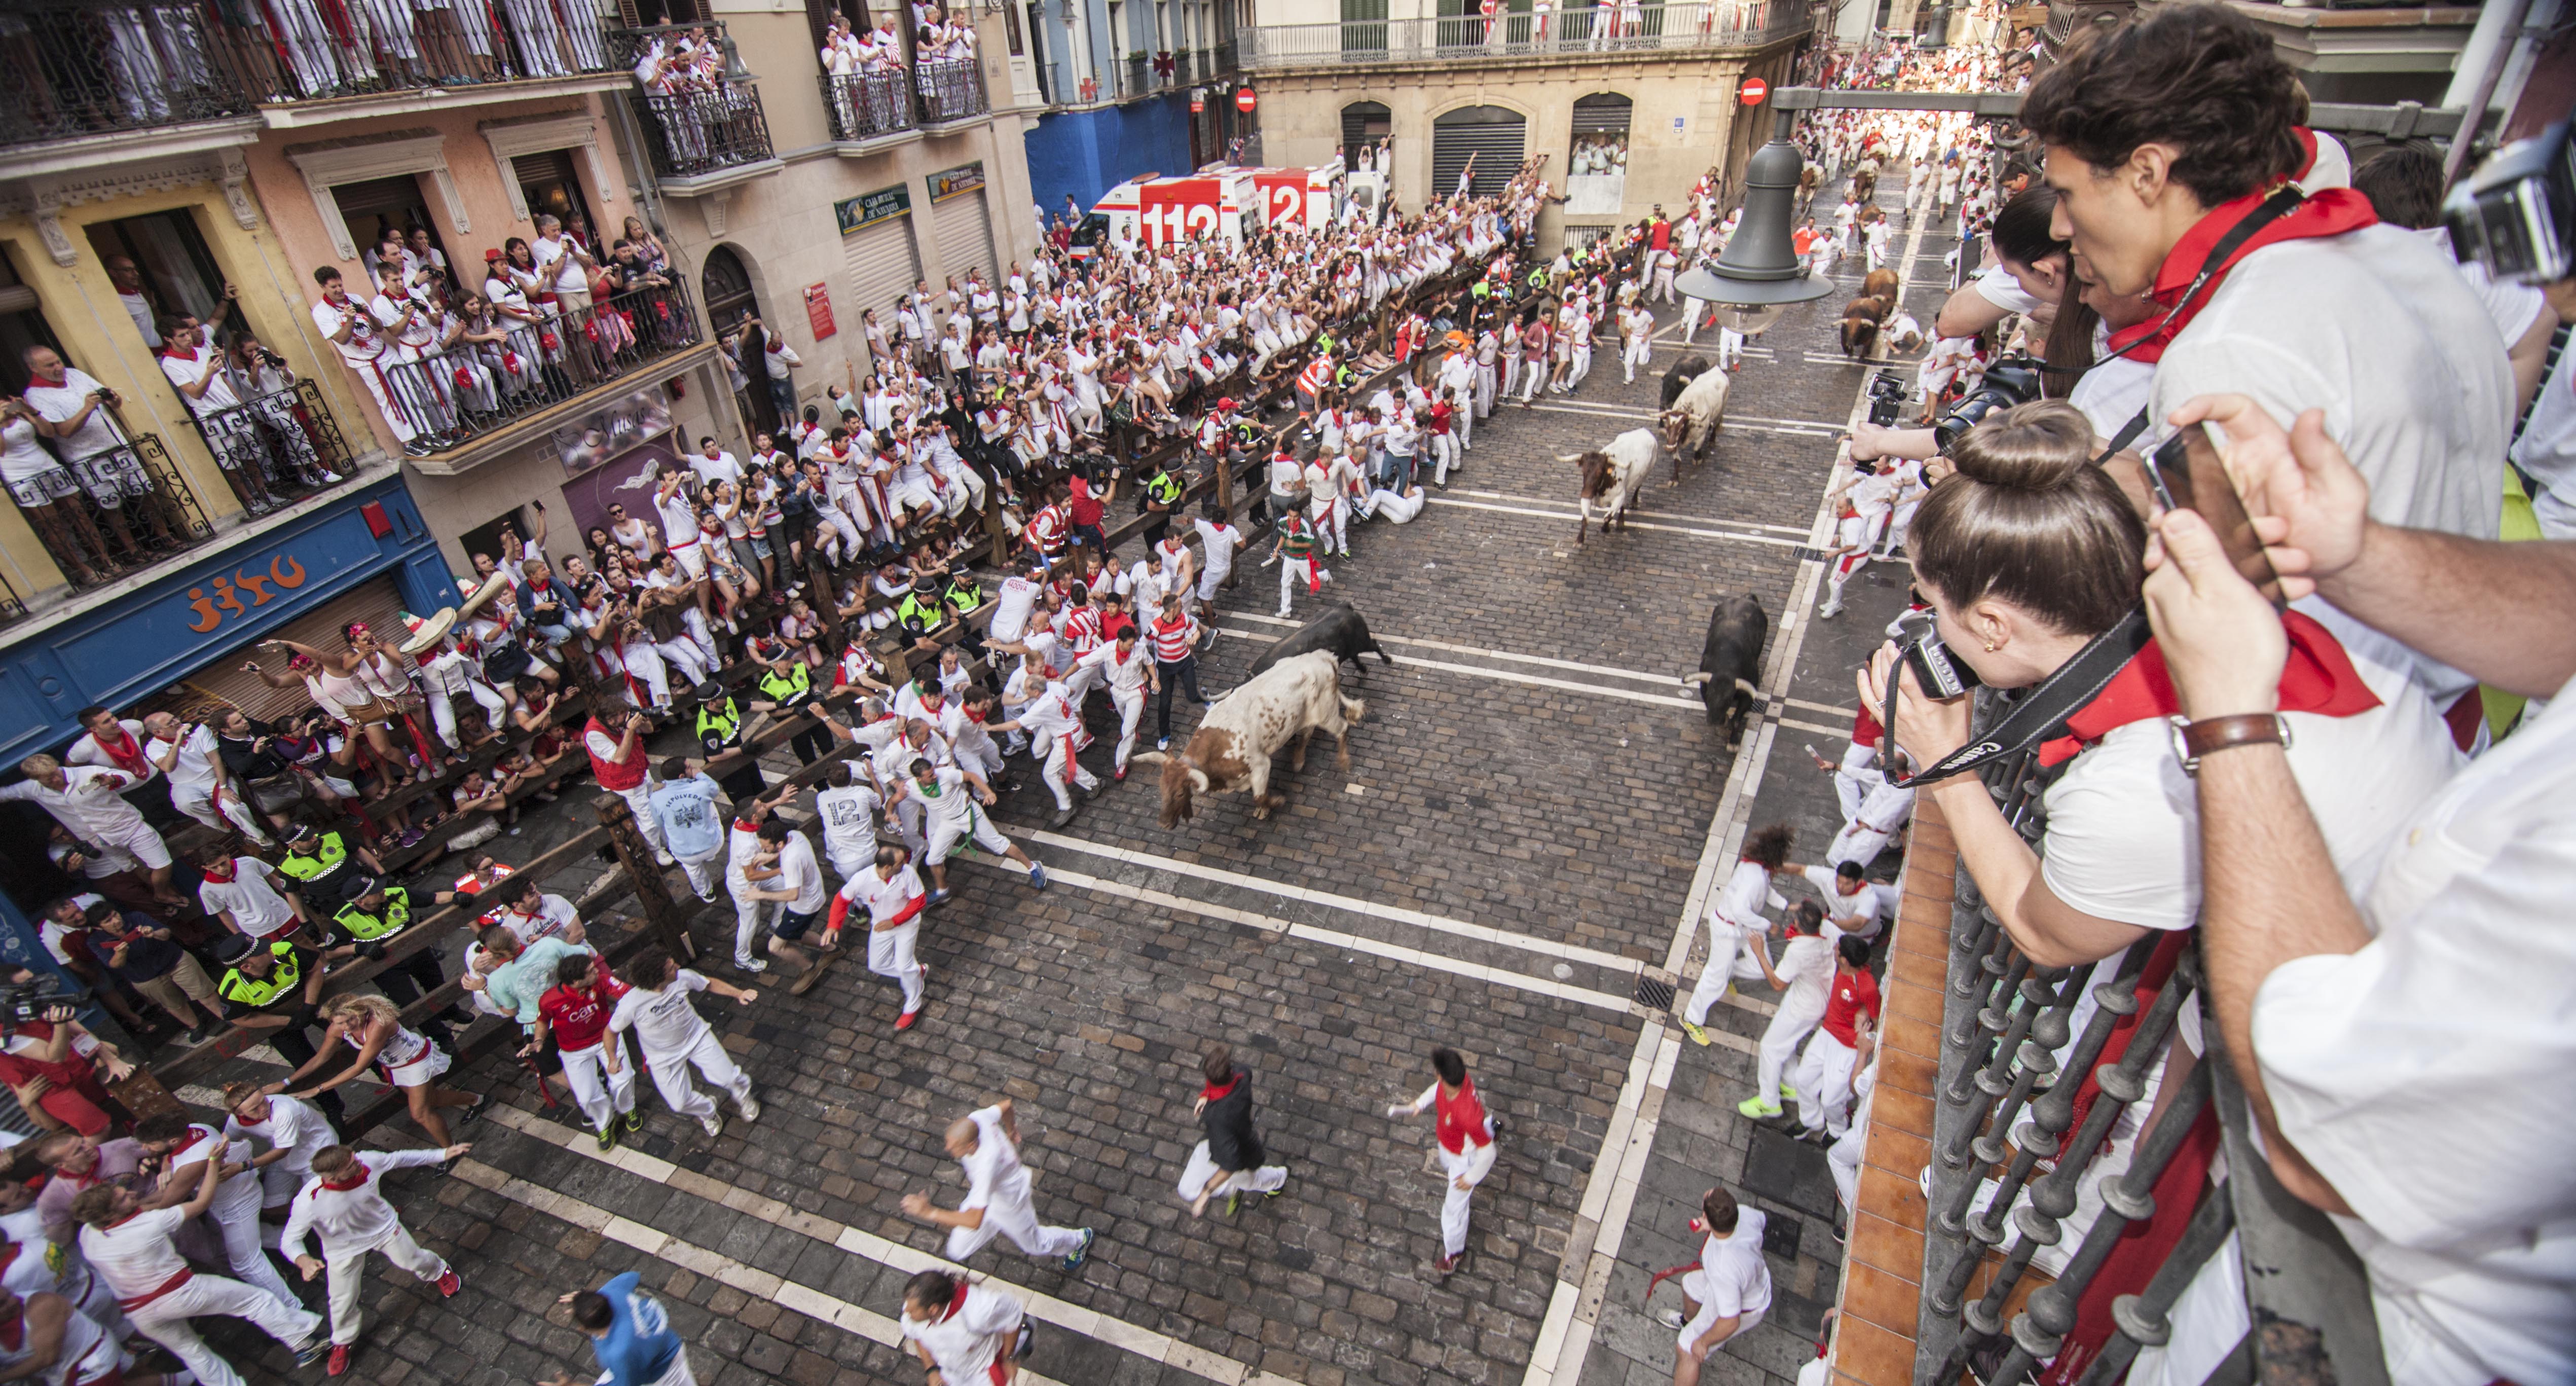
x,y
2244,729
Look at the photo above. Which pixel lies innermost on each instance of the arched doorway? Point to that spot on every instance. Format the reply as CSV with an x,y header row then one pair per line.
x,y
1496,136
1363,122
730,299
1596,166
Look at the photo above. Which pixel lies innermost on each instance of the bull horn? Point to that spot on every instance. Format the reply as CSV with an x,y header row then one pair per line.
x,y
1198,779
1695,680
1157,757
1569,457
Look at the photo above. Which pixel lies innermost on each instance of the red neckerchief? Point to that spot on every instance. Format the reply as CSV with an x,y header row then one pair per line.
x,y
954,1305
2318,678
1212,1092
2328,212
224,879
13,1334
340,1186
54,384
125,751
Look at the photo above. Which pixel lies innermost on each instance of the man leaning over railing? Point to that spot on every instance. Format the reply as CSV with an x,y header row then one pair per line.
x,y
2399,1049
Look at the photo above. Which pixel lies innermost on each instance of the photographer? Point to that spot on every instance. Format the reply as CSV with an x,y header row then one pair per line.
x,y
2170,141
2027,555
53,1066
2353,1011
143,955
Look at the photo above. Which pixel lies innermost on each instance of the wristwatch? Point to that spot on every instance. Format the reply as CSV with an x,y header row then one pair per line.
x,y
2193,740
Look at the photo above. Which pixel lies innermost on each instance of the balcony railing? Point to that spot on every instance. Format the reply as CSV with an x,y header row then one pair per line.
x,y
694,133
950,89
864,105
2079,1168
84,67
277,448
114,512
452,400
1702,24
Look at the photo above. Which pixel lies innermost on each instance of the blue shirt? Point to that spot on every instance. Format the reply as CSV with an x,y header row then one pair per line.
x,y
687,809
640,1346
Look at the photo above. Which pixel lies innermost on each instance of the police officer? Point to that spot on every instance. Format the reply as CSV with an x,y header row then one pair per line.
x,y
375,913
1161,495
786,687
720,735
323,866
963,596
273,988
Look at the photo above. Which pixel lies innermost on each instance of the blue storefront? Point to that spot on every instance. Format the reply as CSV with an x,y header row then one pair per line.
x,y
204,611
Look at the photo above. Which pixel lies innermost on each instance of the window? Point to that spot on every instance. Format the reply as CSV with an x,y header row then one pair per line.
x,y
172,270
384,205
22,325
1363,122
551,188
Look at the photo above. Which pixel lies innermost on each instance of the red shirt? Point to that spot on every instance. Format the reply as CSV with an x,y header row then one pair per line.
x,y
1440,413
1661,238
1112,622
577,1021
1462,1118
1854,991
1085,507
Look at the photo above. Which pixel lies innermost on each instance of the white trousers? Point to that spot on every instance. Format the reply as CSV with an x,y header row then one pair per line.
x,y
748,916
1582,364
1471,1164
1062,768
1015,1217
602,1096
699,879
1730,347
200,805
1511,377
1856,842
640,800
1293,571
1486,383
136,836
1444,455
442,711
396,418
344,1272
1796,1018
1202,1168
235,1215
1639,352
1332,521
165,1321
890,955
1730,958
1824,1082
1843,1158
1130,703
1695,1286
671,1076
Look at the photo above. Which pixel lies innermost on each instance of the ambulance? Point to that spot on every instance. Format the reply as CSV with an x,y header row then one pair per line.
x,y
1221,203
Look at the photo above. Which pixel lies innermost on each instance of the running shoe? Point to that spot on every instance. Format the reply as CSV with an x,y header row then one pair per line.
x,y
1081,1253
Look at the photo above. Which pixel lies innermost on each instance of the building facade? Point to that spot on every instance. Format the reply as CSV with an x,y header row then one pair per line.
x,y
1629,104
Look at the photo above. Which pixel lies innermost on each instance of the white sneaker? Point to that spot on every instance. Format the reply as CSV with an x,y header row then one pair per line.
x,y
1827,613
1671,1318
749,1107
713,1123
750,965
666,859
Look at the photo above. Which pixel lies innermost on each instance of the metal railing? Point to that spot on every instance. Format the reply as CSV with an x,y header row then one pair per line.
x,y
116,511
864,105
471,390
2017,1116
82,67
277,448
1580,33
950,89
694,133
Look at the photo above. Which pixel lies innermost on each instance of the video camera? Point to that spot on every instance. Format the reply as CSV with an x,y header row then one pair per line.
x,y
1886,398
2014,380
35,998
2517,214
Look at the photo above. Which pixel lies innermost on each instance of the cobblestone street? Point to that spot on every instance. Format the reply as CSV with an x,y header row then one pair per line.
x,y
1518,852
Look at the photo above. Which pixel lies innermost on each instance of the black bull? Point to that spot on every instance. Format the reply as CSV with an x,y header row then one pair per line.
x,y
1339,630
1730,663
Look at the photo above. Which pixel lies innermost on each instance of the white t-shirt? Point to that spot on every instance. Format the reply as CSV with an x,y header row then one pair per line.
x,y
194,768
291,1126
1806,963
2513,307
352,1219
883,896
800,872
849,824
664,1020
1998,287
2459,1005
1871,901
966,1339
993,1167
57,403
135,1257
1741,900
2123,822
1732,1271
1019,596
252,897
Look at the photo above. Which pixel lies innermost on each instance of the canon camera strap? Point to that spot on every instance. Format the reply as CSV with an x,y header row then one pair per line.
x,y
2040,715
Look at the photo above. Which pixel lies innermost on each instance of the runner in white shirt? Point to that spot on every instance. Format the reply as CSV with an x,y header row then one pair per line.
x,y
1854,904
953,800
1727,1297
290,1132
88,802
1218,541
182,1144
1127,669
848,809
199,787
130,1249
75,1348
891,892
1805,969
965,1333
244,893
987,1142
345,1203
1055,729
666,1023
1736,924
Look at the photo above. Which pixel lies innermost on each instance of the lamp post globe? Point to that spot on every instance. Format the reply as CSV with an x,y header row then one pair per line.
x,y
1760,272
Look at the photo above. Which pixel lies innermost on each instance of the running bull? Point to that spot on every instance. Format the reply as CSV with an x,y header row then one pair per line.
x,y
1339,630
1232,748
1730,662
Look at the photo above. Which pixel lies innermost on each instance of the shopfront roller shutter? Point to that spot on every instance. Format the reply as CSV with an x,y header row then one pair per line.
x,y
965,233
881,266
1496,136
220,680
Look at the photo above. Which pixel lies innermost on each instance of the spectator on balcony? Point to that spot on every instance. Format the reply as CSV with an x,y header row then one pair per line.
x,y
408,321
127,279
463,332
40,485
541,38
562,265
79,413
367,352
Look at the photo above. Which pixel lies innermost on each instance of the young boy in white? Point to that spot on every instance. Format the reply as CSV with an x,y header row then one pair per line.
x,y
667,1024
1127,669
987,1142
891,892
953,800
964,1333
1728,1295
1806,967
130,1249
344,1203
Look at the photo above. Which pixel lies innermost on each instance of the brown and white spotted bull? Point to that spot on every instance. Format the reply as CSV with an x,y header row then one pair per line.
x,y
1613,476
1690,422
1298,697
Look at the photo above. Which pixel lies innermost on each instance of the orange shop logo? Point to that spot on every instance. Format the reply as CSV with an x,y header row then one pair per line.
x,y
283,571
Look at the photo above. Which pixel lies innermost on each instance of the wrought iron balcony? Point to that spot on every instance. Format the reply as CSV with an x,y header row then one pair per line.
x,y
865,105
950,89
475,389
112,512
1561,35
698,105
86,67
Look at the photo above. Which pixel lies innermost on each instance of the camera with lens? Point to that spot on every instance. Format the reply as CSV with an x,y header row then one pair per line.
x,y
1886,398
34,999
2011,381
2517,214
1939,673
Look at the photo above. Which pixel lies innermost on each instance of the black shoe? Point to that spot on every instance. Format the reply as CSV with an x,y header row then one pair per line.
x,y
1062,817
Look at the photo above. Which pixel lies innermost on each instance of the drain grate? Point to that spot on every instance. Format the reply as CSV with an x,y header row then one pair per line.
x,y
1654,995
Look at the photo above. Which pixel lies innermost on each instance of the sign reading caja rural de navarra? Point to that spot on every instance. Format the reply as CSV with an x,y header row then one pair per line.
x,y
957,181
867,209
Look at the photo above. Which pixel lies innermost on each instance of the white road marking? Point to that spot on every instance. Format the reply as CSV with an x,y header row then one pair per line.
x,y
1799,530
1648,415
1818,707
1606,671
1814,727
1530,680
1692,531
804,1299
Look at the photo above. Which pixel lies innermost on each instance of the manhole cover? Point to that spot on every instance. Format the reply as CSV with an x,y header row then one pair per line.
x,y
1654,995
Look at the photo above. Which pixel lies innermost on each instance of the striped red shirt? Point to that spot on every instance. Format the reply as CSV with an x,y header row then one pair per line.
x,y
1174,635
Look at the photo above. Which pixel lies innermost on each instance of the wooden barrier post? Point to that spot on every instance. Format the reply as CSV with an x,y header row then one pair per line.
x,y
662,914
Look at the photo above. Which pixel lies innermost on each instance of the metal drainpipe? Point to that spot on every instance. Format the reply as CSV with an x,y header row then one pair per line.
x,y
2501,43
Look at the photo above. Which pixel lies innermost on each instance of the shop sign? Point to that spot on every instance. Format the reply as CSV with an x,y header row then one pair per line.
x,y
221,600
956,182
867,209
818,310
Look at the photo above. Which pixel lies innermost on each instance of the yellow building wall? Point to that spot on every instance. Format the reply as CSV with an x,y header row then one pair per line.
x,y
82,309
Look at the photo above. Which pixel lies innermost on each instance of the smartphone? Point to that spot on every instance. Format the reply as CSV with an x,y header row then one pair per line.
x,y
2189,473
